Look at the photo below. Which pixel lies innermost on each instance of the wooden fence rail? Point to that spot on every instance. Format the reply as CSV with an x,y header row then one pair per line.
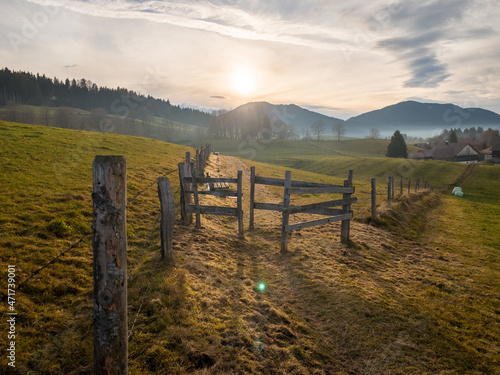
x,y
291,187
190,186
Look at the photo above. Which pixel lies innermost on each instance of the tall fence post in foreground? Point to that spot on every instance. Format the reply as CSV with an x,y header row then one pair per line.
x,y
109,242
252,197
374,198
286,213
167,205
345,225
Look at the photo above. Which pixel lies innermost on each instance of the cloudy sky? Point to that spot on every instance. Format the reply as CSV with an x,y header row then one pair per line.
x,y
339,58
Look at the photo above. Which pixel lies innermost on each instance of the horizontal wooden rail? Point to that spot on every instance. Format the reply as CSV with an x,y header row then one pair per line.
x,y
280,182
213,210
316,209
219,193
313,223
331,189
206,180
328,204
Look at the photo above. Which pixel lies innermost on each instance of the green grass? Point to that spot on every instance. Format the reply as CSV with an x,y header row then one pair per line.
x,y
365,156
80,119
45,195
417,297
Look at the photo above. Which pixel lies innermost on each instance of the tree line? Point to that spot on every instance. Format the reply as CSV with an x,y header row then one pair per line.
x,y
40,90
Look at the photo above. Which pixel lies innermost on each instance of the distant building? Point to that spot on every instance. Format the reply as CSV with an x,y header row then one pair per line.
x,y
460,152
487,153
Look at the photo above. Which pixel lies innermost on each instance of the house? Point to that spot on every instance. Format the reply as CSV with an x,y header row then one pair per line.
x,y
461,152
487,153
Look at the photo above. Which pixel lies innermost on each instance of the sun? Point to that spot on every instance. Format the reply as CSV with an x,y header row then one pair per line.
x,y
244,82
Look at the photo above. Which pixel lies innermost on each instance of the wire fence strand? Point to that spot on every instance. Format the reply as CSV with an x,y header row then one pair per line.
x,y
53,260
149,186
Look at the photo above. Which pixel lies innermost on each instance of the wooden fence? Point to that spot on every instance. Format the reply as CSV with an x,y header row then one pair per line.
x,y
202,156
291,187
391,189
190,182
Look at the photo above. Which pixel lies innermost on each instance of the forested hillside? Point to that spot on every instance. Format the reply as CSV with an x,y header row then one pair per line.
x,y
27,88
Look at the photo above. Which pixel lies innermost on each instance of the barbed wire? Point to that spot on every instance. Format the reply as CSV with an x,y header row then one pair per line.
x,y
53,260
77,243
150,186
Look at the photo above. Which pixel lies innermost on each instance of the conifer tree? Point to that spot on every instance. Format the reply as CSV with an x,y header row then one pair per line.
x,y
397,147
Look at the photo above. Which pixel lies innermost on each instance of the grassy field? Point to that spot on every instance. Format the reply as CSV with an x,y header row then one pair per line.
x,y
418,293
79,119
365,156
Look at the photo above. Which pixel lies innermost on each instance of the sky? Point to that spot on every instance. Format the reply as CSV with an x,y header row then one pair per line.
x,y
339,58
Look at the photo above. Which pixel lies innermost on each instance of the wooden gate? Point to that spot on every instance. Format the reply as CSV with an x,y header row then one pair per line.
x,y
190,183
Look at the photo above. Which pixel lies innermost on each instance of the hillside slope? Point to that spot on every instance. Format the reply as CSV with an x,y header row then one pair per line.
x,y
367,308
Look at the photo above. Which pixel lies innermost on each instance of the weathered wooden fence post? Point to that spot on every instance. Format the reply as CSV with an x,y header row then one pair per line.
x,y
345,225
109,242
199,166
286,212
195,195
167,205
252,197
239,202
392,187
409,186
389,191
374,198
186,196
401,194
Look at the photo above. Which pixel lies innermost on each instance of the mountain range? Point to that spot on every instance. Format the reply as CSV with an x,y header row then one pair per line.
x,y
410,117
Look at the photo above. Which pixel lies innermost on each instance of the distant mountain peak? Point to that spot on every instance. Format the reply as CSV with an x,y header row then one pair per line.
x,y
411,116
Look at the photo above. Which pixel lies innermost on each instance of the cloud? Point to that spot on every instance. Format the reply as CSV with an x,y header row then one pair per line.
x,y
426,25
331,55
274,25
427,70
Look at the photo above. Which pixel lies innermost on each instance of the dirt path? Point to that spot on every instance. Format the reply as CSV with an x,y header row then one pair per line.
x,y
466,174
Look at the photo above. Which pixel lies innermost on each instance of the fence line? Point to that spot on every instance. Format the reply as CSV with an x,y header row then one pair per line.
x,y
391,191
189,187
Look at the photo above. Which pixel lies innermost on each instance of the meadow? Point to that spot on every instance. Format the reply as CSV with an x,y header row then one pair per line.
x,y
415,292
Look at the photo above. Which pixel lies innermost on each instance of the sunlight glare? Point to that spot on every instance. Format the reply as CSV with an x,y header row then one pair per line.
x,y
243,82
